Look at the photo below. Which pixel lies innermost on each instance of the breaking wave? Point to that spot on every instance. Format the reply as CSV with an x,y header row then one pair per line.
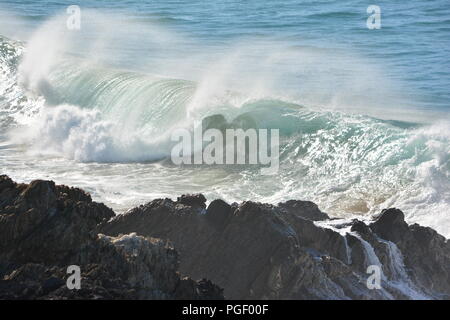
x,y
348,163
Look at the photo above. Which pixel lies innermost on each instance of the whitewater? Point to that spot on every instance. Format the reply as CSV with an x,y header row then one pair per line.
x,y
82,110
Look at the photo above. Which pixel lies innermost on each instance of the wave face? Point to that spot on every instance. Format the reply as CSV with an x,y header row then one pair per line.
x,y
108,131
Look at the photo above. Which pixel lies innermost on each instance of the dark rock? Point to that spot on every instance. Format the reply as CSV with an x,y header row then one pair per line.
x,y
390,225
41,222
51,284
360,227
5,183
426,253
207,290
305,209
218,213
252,250
193,200
259,251
44,228
203,290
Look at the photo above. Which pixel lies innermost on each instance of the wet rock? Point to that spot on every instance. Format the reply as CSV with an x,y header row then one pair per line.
x,y
289,251
44,228
426,253
193,200
42,222
305,209
390,225
360,227
218,213
51,284
5,182
252,250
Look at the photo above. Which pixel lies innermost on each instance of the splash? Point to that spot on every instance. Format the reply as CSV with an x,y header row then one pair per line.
x,y
79,99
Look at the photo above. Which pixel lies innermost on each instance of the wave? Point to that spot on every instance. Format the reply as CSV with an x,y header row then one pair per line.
x,y
349,163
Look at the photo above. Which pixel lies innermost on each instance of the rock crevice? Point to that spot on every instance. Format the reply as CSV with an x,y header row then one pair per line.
x,y
247,251
45,228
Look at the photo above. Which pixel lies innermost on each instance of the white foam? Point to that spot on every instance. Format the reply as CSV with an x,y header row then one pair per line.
x,y
82,135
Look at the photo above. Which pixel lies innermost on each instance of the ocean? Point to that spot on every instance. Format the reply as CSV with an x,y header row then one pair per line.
x,y
363,114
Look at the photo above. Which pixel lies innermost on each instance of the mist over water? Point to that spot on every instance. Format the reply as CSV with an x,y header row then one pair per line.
x,y
363,114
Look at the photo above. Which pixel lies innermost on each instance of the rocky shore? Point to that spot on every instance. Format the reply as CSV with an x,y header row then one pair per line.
x,y
184,249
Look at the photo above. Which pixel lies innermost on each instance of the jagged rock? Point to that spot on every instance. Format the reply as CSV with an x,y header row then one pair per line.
x,y
5,182
289,251
218,213
44,228
360,227
390,225
41,222
252,250
193,200
426,253
305,209
203,290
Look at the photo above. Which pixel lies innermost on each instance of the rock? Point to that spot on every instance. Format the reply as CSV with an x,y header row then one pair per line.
x,y
5,182
44,228
252,250
193,200
218,213
390,225
289,251
43,222
206,290
203,290
426,253
304,209
360,227
51,284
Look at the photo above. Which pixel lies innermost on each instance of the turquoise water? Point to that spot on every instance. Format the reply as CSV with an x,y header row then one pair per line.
x,y
363,114
412,45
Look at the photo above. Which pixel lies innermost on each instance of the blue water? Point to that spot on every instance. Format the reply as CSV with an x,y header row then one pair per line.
x,y
412,45
364,115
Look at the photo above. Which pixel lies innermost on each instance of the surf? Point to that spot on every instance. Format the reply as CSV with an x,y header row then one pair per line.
x,y
102,120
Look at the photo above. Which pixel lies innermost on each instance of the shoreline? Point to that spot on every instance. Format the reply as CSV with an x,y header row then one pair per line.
x,y
167,249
